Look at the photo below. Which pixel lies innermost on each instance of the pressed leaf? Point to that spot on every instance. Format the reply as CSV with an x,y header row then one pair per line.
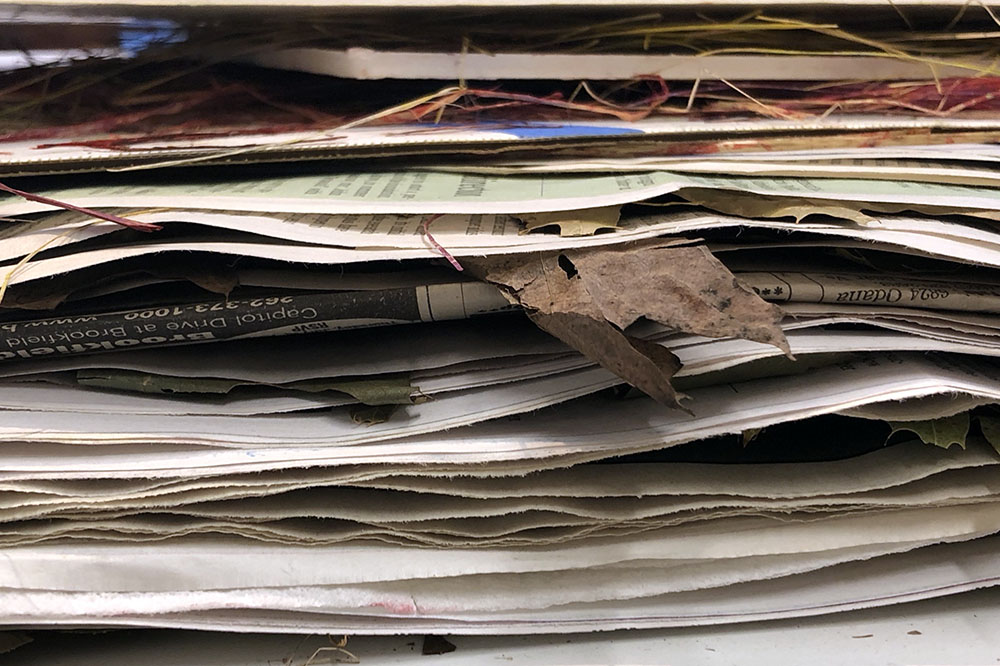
x,y
942,432
587,298
376,390
585,222
989,424
749,204
749,435
11,640
369,415
746,204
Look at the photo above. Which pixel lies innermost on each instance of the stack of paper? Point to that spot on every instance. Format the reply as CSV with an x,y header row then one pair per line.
x,y
649,320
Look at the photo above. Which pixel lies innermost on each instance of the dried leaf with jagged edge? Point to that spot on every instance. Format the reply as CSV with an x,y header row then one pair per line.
x,y
588,297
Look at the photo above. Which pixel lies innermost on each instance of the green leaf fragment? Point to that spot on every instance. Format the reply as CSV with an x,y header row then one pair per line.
x,y
141,382
378,391
368,415
749,435
374,390
942,432
990,427
586,222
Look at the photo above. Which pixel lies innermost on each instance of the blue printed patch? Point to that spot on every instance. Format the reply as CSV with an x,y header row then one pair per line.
x,y
140,34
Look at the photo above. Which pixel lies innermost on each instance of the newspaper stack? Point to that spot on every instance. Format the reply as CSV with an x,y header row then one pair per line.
x,y
487,361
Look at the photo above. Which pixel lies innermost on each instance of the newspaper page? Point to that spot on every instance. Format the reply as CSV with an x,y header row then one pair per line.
x,y
876,290
432,193
285,313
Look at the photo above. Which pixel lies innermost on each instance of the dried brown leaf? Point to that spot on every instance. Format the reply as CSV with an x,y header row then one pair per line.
x,y
685,288
646,365
587,298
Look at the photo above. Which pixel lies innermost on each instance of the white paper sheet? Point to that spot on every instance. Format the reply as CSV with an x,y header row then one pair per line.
x,y
578,429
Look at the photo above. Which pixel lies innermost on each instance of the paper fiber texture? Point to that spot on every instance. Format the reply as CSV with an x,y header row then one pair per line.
x,y
207,563
405,509
903,466
920,574
468,595
600,490
408,512
885,468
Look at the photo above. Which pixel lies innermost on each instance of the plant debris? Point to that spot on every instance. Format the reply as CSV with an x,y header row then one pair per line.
x,y
588,298
437,645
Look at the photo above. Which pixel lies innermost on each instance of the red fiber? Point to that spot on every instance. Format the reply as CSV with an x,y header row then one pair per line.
x,y
437,246
124,221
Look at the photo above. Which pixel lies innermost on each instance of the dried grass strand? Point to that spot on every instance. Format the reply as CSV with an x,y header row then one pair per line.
x,y
406,106
31,255
426,227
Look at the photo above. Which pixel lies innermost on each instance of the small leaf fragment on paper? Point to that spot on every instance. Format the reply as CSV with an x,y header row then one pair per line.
x,y
436,645
749,435
750,205
367,415
388,389
585,222
11,640
989,425
941,432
